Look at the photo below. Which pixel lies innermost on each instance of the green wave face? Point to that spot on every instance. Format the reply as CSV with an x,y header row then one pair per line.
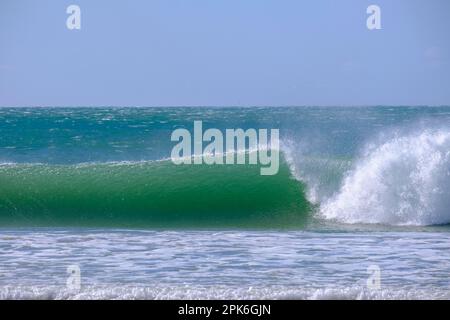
x,y
150,194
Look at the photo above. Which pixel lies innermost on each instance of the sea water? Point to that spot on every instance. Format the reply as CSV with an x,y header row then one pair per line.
x,y
359,189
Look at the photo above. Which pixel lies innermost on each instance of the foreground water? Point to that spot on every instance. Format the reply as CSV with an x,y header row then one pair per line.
x,y
224,264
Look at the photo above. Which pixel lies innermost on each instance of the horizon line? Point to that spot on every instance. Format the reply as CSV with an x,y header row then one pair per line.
x,y
228,106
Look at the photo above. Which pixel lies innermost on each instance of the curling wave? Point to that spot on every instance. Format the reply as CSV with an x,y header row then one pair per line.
x,y
149,194
402,181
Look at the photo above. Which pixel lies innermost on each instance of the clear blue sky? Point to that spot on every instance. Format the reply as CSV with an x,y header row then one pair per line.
x,y
224,52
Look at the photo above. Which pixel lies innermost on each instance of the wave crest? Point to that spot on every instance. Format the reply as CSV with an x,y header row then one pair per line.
x,y
403,181
149,194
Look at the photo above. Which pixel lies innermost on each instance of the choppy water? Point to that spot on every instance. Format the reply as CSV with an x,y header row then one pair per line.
x,y
224,264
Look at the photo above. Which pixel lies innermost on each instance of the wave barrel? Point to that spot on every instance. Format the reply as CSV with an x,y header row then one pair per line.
x,y
149,194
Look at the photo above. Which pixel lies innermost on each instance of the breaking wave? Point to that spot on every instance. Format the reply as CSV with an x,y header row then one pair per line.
x,y
149,194
402,181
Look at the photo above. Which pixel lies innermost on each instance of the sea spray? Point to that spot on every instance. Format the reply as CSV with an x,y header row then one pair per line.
x,y
402,181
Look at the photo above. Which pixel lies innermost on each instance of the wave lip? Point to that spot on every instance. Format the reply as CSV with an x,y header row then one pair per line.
x,y
403,181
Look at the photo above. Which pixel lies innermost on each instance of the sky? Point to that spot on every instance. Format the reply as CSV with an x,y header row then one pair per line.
x,y
224,53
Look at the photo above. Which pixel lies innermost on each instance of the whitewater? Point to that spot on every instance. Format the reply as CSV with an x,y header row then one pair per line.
x,y
403,181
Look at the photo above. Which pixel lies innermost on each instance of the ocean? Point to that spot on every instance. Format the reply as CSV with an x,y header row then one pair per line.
x,y
359,209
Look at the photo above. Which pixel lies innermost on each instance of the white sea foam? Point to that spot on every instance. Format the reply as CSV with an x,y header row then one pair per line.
x,y
402,181
214,292
150,264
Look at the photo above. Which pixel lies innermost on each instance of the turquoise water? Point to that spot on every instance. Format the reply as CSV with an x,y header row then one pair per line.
x,y
110,167
95,187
